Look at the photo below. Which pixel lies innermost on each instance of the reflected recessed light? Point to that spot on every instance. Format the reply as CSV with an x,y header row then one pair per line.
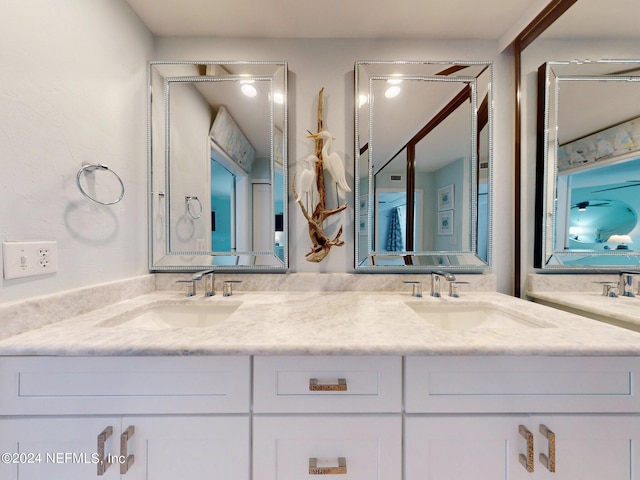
x,y
362,100
392,91
248,89
278,98
394,81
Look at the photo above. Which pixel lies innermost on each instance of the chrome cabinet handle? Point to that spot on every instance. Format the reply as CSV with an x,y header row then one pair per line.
x,y
341,386
128,459
549,460
341,469
103,463
527,460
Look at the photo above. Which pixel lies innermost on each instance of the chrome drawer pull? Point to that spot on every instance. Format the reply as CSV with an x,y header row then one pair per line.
x,y
549,460
103,463
129,459
341,469
527,460
341,386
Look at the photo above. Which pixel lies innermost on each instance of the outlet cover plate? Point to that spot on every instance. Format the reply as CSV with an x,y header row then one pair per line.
x,y
28,259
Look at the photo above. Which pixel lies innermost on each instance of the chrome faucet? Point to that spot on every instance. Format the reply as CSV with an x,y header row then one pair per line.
x,y
435,281
625,284
209,280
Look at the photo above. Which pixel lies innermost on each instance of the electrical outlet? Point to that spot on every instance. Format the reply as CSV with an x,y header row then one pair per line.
x,y
28,259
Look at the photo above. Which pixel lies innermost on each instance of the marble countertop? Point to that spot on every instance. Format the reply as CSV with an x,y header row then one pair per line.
x,y
333,323
623,311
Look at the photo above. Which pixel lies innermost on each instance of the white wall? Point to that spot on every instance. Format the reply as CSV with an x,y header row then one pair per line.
x,y
329,63
535,55
72,90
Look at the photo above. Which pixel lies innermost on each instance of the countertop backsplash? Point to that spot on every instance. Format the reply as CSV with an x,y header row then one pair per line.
x,y
29,314
555,282
330,282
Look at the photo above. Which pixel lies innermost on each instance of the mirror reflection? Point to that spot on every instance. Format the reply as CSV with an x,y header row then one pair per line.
x,y
588,165
423,156
217,134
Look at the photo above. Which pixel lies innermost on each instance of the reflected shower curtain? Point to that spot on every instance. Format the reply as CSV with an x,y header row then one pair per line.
x,y
394,238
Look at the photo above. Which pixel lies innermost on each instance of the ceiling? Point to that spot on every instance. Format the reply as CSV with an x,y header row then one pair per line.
x,y
488,19
401,19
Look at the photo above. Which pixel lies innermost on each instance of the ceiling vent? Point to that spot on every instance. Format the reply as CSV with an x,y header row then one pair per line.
x,y
395,177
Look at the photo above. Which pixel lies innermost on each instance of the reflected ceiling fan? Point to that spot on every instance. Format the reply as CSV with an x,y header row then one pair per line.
x,y
634,183
591,203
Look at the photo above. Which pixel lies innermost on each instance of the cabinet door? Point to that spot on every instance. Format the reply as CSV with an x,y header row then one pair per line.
x,y
589,447
350,447
184,447
465,447
59,448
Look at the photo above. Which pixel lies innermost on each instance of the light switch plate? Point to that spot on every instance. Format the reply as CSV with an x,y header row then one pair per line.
x,y
28,259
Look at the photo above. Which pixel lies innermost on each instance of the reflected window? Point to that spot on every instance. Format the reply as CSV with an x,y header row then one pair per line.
x,y
223,186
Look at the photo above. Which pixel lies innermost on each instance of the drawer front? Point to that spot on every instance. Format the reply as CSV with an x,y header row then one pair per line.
x,y
94,385
346,447
305,384
521,384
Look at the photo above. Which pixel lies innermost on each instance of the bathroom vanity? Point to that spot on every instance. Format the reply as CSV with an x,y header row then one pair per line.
x,y
297,384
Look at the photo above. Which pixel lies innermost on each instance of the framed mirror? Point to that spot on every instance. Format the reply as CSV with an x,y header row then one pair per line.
x,y
588,166
423,139
218,166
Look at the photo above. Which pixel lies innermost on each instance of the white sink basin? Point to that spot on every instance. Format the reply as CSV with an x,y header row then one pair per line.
x,y
471,316
162,317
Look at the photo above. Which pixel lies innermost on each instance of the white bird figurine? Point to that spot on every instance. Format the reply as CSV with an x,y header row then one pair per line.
x,y
332,162
306,178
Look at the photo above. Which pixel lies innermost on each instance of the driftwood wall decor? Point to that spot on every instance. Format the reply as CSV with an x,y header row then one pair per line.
x,y
318,162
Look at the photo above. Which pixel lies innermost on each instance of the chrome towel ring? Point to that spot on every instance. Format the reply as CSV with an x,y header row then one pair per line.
x,y
86,167
191,200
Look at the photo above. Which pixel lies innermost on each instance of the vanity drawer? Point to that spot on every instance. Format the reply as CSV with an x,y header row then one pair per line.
x,y
124,385
327,384
521,384
360,447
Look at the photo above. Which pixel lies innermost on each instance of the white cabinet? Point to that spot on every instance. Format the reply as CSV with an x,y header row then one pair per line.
x,y
600,446
359,447
159,448
292,417
157,418
490,447
463,447
330,384
56,448
194,448
327,415
485,418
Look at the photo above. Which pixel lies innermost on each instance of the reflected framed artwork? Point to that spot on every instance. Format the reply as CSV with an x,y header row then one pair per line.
x,y
445,198
445,222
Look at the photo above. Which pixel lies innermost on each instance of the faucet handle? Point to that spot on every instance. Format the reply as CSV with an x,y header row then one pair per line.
x,y
453,288
417,287
227,287
191,291
609,289
625,287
